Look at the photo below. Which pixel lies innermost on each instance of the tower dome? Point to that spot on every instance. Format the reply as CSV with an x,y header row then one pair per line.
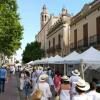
x,y
44,16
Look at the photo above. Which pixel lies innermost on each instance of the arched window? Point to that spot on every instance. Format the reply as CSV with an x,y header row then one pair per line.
x,y
42,17
49,44
45,17
59,40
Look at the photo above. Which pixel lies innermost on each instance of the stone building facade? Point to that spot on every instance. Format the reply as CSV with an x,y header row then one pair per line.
x,y
85,32
58,36
85,27
54,33
63,34
46,21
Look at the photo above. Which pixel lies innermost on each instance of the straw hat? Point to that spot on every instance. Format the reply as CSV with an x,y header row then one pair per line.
x,y
43,77
40,68
4,66
75,72
82,85
65,78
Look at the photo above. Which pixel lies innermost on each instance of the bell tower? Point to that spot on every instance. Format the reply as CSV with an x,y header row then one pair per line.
x,y
44,16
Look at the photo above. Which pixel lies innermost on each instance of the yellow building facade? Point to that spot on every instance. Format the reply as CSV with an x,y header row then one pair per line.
x,y
85,27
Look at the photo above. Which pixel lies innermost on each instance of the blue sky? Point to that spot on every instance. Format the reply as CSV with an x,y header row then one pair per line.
x,y
30,10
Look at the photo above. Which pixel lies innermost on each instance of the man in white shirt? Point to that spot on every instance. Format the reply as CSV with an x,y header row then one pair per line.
x,y
93,94
81,87
73,80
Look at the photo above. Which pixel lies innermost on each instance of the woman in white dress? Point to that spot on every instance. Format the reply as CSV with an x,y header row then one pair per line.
x,y
22,76
65,88
44,87
81,88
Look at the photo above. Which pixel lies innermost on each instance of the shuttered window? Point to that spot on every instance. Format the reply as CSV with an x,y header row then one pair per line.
x,y
75,38
98,29
85,34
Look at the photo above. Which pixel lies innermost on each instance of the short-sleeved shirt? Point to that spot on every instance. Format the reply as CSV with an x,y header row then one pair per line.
x,y
3,73
81,97
73,81
94,95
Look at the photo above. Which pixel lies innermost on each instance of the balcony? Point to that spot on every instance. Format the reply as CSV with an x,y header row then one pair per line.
x,y
83,45
50,50
93,40
58,47
72,47
80,43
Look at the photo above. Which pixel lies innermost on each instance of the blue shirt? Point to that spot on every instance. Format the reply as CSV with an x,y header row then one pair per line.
x,y
3,73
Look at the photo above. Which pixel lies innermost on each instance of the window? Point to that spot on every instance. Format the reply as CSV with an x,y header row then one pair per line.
x,y
49,44
45,17
85,34
75,38
59,40
98,29
53,42
42,17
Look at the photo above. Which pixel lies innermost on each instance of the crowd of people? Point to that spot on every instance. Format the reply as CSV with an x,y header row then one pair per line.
x,y
46,84
43,84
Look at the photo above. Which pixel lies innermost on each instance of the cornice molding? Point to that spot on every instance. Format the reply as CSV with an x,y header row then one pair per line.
x,y
87,10
60,22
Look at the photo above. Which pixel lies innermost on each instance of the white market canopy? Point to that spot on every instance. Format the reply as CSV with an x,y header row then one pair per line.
x,y
55,60
90,56
71,58
31,62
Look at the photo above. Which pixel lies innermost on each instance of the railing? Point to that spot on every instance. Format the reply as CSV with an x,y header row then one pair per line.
x,y
92,41
48,50
58,47
98,39
51,49
80,43
72,47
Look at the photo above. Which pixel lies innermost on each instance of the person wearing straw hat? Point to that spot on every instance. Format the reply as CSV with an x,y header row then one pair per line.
x,y
65,88
73,80
81,88
44,87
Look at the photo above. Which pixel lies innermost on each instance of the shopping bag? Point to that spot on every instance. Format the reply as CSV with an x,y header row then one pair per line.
x,y
37,95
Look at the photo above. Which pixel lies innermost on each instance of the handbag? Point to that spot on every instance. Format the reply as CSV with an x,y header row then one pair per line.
x,y
57,97
37,94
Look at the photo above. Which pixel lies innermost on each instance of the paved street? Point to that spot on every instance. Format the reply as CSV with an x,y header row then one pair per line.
x,y
11,90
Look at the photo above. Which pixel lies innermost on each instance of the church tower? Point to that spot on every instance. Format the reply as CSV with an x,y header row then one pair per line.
x,y
44,16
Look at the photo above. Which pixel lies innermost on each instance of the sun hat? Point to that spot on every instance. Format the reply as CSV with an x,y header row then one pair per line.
x,y
40,68
4,66
75,72
82,85
43,77
65,78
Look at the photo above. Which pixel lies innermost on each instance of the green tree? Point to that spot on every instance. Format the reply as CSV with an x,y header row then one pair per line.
x,y
33,52
11,31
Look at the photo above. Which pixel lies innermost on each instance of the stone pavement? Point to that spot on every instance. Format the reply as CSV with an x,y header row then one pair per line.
x,y
11,90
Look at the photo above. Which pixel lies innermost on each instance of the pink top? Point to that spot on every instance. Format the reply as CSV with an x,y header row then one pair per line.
x,y
57,81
